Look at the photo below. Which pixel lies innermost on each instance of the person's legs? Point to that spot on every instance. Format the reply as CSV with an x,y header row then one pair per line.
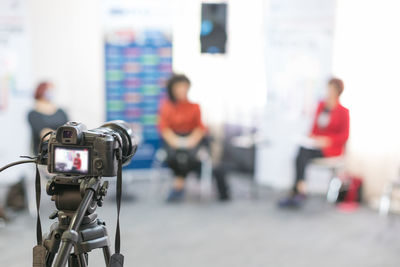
x,y
179,182
182,162
177,192
174,159
304,156
297,196
220,177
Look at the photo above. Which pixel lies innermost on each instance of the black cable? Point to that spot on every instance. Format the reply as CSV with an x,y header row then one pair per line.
x,y
42,140
32,159
17,163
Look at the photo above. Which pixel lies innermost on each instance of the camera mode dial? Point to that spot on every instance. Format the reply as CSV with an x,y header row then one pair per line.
x,y
98,164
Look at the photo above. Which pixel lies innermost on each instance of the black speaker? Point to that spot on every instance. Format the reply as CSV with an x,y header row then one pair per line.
x,y
213,34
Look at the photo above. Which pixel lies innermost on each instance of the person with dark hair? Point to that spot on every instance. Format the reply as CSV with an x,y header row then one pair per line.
x,y
45,116
328,137
182,130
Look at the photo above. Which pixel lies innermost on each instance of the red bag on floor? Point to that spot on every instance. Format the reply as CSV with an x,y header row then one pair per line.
x,y
351,190
354,190
350,194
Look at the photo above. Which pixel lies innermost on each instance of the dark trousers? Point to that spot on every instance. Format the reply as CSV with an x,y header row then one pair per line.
x,y
219,173
304,157
184,161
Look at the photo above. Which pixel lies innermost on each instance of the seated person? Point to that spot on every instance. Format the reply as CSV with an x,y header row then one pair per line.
x,y
328,137
45,116
182,130
77,163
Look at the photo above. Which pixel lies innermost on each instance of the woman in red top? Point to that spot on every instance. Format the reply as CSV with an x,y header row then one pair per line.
x,y
77,162
182,130
329,134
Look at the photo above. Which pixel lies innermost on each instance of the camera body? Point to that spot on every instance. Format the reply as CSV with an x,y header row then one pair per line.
x,y
74,150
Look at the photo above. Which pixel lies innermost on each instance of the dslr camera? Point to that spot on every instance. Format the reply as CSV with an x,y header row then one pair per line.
x,y
74,150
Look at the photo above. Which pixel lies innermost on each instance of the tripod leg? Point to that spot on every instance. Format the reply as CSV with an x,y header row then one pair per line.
x,y
70,236
52,244
79,260
82,260
107,255
49,259
73,261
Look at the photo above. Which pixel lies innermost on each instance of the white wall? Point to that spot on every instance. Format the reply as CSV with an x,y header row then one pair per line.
x,y
229,87
367,57
15,138
68,49
15,82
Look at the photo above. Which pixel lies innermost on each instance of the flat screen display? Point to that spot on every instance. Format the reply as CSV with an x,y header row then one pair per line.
x,y
71,160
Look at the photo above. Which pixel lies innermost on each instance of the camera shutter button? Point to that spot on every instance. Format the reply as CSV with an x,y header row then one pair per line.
x,y
98,163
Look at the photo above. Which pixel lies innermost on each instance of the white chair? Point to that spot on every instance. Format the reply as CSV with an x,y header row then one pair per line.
x,y
158,175
206,174
386,199
334,165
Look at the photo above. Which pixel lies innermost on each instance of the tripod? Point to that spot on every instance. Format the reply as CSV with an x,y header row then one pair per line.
x,y
77,196
76,199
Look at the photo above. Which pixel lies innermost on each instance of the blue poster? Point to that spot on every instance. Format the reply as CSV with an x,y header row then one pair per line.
x,y
137,65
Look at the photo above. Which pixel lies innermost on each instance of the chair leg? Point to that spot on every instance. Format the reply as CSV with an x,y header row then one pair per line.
x,y
206,178
156,176
386,199
254,189
334,188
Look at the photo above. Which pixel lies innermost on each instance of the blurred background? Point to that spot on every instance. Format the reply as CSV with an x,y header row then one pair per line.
x,y
257,70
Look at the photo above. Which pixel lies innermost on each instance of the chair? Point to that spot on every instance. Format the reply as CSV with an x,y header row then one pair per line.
x,y
334,165
386,199
239,152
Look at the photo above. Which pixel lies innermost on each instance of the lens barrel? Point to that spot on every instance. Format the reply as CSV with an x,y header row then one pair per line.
x,y
128,140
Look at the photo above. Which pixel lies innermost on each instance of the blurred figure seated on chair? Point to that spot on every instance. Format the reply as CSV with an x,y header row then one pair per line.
x,y
328,137
45,116
183,132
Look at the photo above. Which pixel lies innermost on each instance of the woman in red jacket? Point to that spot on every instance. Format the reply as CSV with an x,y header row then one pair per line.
x,y
328,136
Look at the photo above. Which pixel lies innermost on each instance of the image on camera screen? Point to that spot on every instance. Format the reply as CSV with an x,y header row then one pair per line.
x,y
71,160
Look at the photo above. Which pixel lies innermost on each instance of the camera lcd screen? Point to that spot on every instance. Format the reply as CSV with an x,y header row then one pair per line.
x,y
71,160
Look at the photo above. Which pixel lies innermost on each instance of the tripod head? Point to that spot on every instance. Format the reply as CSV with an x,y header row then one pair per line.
x,y
67,192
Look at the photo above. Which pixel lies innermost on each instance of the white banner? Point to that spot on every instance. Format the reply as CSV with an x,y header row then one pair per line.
x,y
299,49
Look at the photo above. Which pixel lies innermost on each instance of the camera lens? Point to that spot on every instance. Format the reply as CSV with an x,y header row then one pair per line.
x,y
128,140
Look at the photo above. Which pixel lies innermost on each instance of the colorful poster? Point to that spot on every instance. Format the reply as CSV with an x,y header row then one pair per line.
x,y
138,62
